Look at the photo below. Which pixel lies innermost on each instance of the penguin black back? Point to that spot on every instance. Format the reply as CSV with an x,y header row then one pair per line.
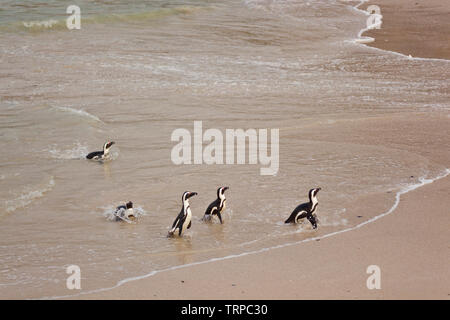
x,y
217,206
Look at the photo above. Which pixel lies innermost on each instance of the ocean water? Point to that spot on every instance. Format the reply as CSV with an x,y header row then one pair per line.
x,y
138,70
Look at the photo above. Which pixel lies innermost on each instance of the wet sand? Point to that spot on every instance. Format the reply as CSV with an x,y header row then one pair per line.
x,y
410,245
419,28
357,122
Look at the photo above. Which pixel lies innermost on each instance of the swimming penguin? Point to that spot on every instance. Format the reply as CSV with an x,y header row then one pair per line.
x,y
183,220
101,155
306,210
125,212
217,206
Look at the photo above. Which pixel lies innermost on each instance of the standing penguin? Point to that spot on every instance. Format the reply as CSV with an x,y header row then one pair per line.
x,y
217,206
183,220
101,155
306,210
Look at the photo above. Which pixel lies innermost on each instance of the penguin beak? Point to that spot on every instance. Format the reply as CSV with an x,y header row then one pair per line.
x,y
226,188
191,194
110,144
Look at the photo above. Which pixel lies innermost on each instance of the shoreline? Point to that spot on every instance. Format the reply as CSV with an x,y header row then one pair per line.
x,y
240,277
304,255
427,39
409,245
410,267
329,276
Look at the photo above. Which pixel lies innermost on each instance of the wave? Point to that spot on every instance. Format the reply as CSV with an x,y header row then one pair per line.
x,y
422,182
142,16
136,17
364,40
28,197
78,112
79,151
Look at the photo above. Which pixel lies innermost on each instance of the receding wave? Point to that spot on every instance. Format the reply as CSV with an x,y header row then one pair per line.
x,y
141,16
79,151
78,112
403,190
37,26
28,197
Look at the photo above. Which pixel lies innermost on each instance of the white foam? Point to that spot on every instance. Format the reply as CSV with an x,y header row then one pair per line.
x,y
26,198
110,213
79,151
363,40
78,112
423,181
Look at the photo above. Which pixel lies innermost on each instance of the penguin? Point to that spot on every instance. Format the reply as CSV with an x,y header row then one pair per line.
x,y
125,212
101,155
183,220
306,210
217,206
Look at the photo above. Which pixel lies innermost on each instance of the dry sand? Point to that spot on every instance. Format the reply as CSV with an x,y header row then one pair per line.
x,y
411,245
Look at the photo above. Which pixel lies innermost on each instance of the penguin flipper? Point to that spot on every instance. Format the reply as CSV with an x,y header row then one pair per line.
x,y
189,225
293,218
212,206
220,216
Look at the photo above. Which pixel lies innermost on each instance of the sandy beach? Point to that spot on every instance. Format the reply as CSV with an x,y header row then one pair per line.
x,y
410,245
413,27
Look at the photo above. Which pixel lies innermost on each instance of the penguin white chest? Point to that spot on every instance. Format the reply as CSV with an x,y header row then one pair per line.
x,y
224,205
315,202
187,220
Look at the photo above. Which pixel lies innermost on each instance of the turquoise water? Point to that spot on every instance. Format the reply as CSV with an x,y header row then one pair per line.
x,y
15,11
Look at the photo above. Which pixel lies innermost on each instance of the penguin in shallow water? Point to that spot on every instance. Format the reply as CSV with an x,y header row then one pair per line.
x,y
101,155
125,212
306,210
183,220
217,206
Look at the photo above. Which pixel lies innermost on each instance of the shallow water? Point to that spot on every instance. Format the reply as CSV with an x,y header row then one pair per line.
x,y
257,64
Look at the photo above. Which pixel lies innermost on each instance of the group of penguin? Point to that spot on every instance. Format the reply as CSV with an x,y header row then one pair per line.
x,y
184,219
